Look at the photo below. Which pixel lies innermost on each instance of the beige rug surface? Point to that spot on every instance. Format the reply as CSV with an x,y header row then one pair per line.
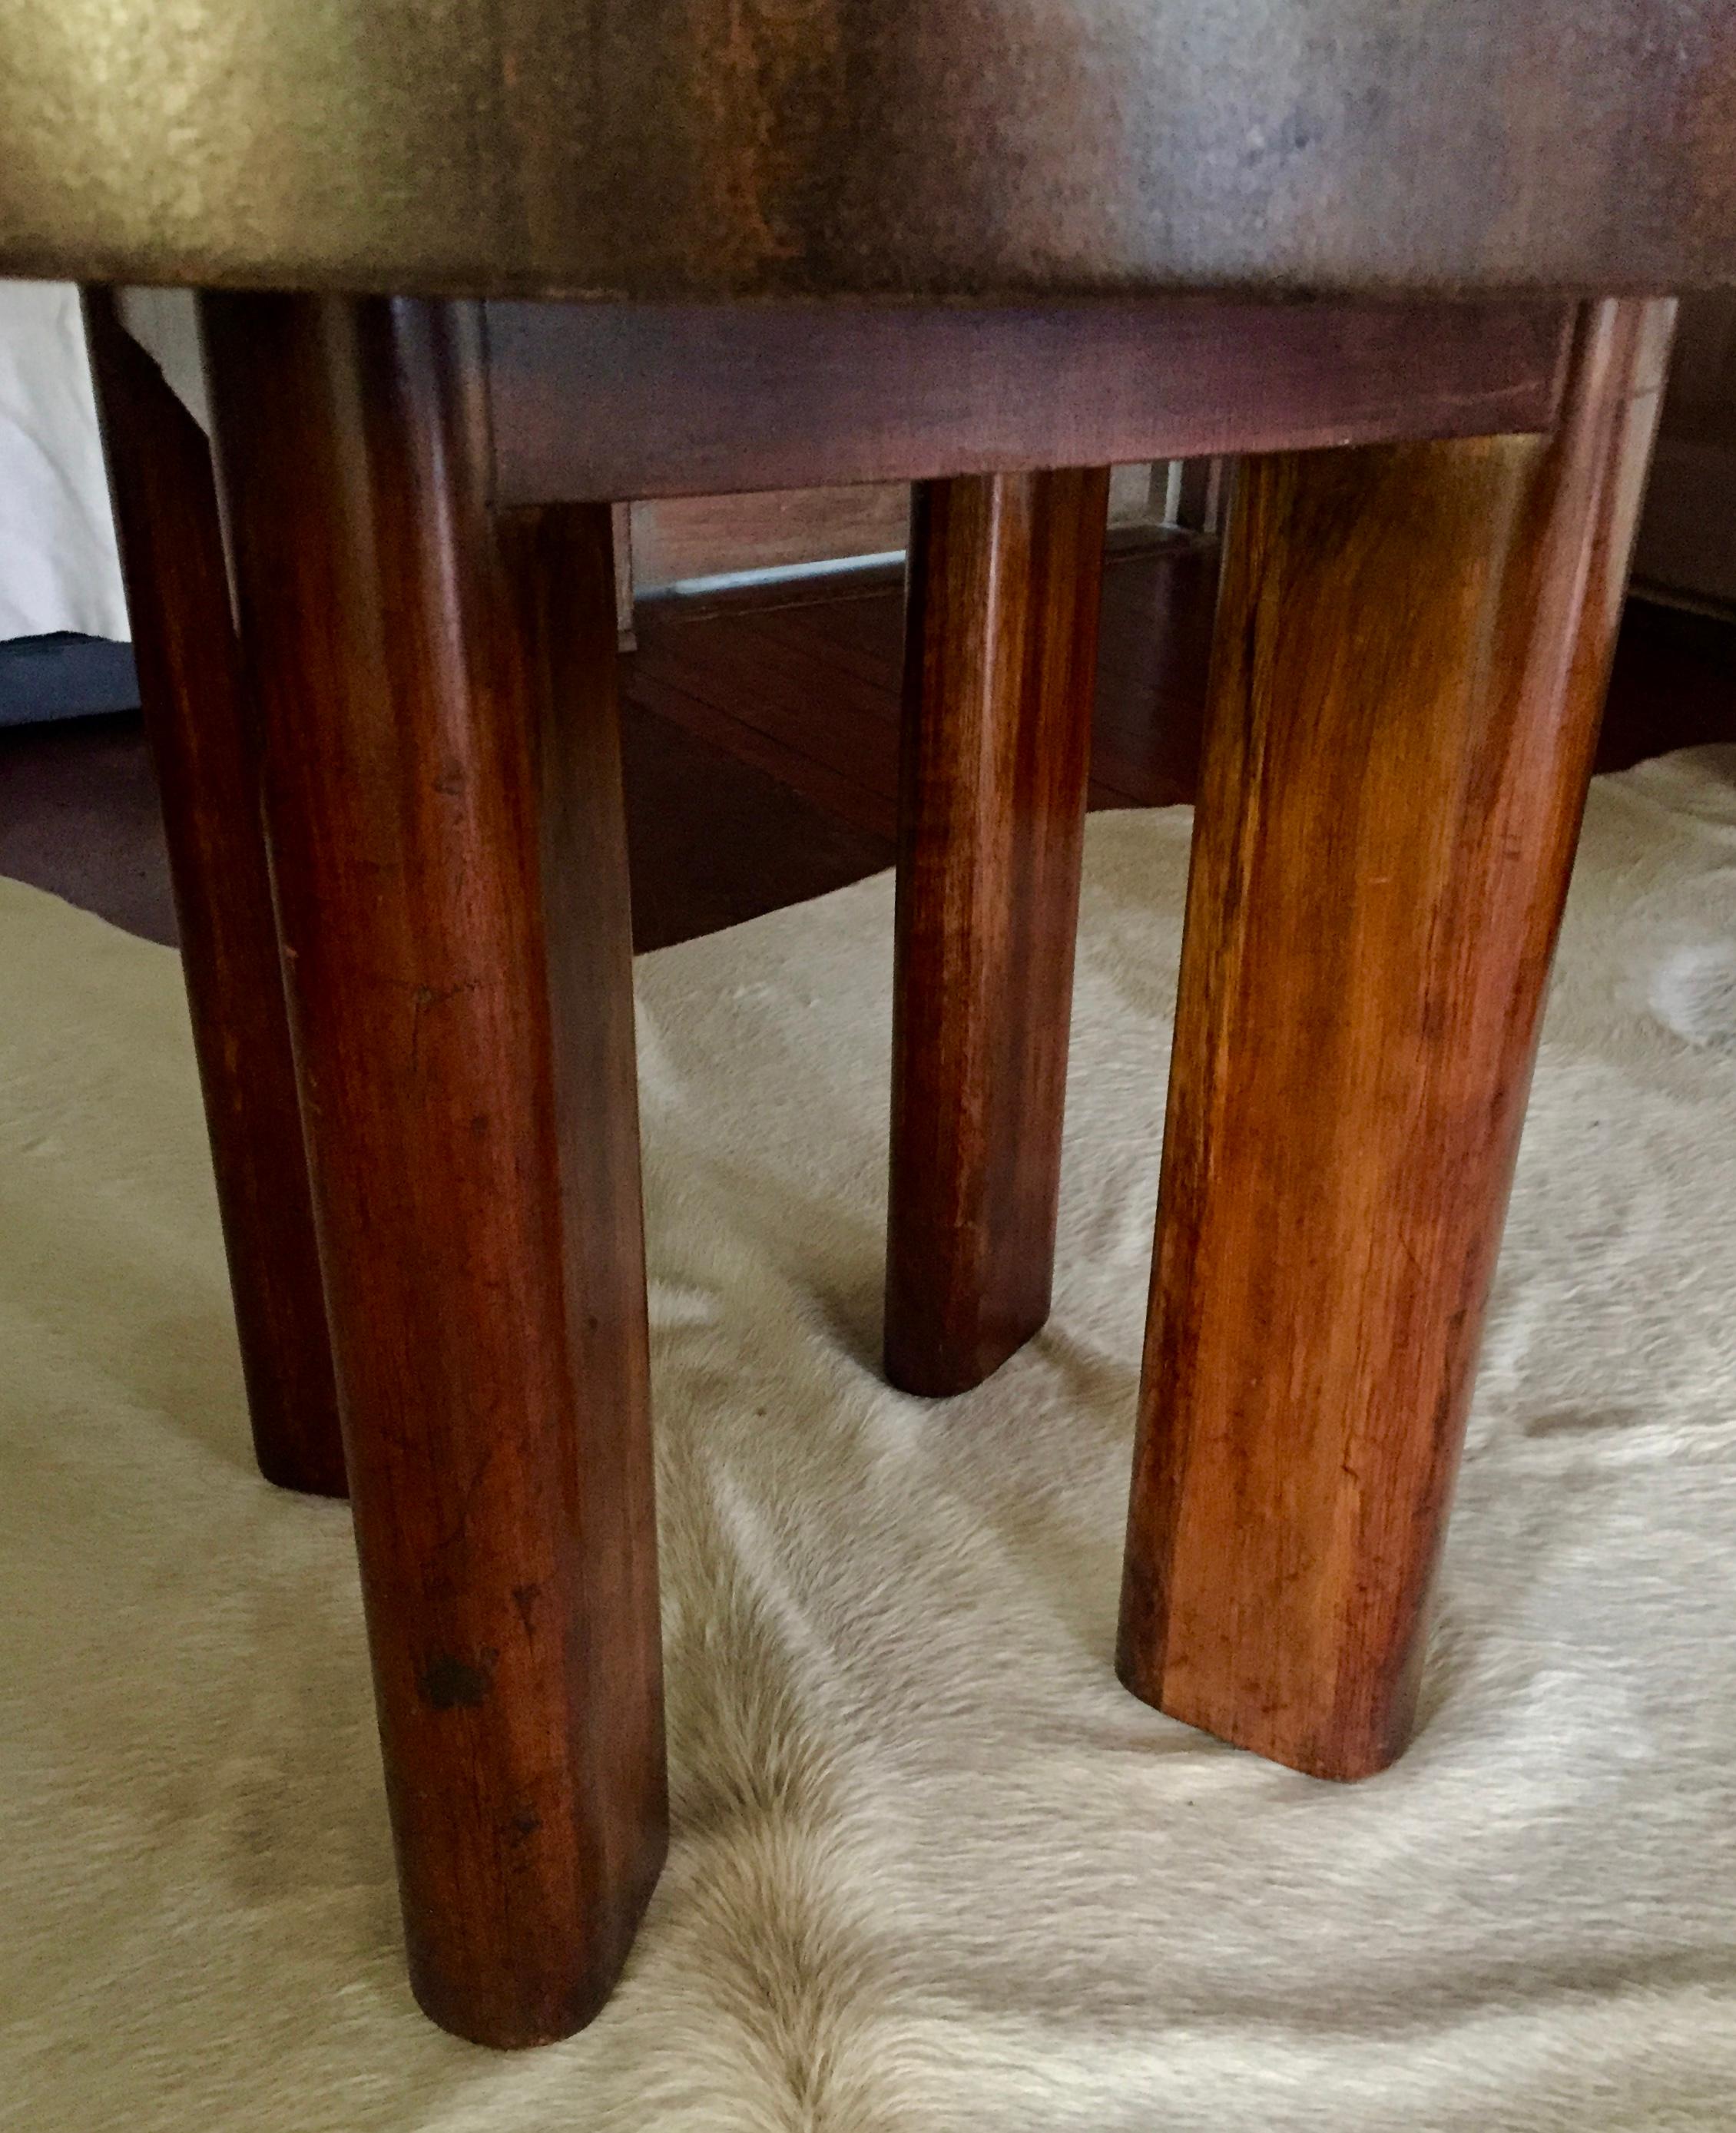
x,y
933,1871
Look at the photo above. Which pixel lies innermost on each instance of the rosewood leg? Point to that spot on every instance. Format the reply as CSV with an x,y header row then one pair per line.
x,y
197,720
443,787
1411,651
999,666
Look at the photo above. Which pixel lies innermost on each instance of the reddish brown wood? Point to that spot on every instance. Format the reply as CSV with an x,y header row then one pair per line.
x,y
442,789
207,777
644,400
713,841
1411,656
1001,663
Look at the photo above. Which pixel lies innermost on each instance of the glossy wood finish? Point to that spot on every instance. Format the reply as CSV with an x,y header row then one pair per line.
x,y
1411,658
714,839
443,797
858,148
1005,581
610,401
202,745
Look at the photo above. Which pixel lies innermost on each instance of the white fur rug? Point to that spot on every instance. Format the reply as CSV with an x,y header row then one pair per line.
x,y
933,1871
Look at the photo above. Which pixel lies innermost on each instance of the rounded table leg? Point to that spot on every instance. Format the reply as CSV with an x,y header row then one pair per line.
x,y
443,793
1412,645
1000,666
198,723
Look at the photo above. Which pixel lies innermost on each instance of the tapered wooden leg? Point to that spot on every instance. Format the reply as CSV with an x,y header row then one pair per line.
x,y
203,749
1411,650
443,797
1000,669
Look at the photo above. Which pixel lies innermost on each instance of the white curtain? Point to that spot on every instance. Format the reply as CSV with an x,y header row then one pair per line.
x,y
58,566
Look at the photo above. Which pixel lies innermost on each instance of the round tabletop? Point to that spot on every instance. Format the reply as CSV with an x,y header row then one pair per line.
x,y
955,149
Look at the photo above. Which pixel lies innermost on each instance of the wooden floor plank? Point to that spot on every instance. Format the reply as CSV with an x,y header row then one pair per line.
x,y
726,820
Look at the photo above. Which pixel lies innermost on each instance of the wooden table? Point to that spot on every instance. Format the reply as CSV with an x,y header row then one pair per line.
x,y
990,248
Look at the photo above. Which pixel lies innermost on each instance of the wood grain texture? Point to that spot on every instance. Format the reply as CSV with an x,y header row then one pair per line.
x,y
611,401
443,797
699,537
999,677
204,750
712,840
1411,650
1035,148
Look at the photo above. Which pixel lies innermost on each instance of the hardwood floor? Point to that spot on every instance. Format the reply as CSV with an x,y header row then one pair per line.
x,y
806,686
760,742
